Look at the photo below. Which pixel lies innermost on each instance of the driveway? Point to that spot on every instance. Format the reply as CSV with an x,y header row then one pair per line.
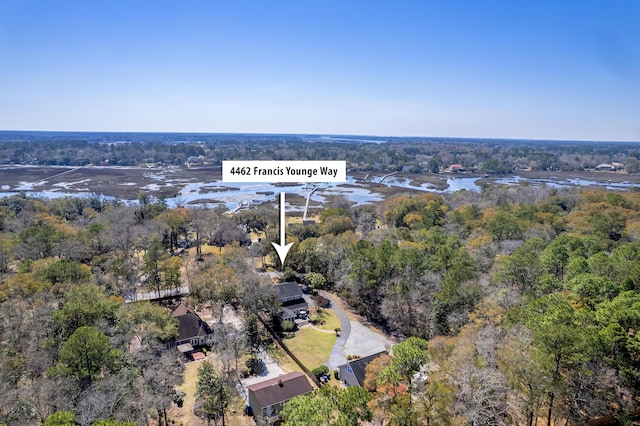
x,y
355,338
337,355
364,342
271,370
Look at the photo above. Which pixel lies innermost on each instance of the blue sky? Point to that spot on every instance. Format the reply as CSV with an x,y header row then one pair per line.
x,y
496,69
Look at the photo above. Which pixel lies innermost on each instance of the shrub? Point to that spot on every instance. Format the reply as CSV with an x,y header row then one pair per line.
x,y
316,320
320,371
255,366
287,326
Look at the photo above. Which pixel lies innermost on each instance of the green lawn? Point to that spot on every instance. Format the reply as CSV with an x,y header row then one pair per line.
x,y
312,347
284,361
331,320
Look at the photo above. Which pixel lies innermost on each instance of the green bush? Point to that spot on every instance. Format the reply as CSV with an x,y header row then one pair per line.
x,y
255,366
287,326
316,320
320,371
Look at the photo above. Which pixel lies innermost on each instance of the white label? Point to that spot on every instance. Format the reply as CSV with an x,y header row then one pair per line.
x,y
284,171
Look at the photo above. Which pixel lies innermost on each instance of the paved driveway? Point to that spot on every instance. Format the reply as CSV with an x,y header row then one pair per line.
x,y
364,342
271,370
337,356
355,338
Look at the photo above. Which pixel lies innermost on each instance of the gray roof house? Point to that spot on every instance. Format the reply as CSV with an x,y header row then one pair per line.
x,y
291,298
267,398
352,373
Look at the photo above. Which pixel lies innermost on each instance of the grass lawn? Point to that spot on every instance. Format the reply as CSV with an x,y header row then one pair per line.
x,y
331,320
312,347
207,250
284,361
184,416
298,219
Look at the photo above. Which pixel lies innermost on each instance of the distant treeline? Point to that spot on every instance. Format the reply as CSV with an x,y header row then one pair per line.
x,y
413,155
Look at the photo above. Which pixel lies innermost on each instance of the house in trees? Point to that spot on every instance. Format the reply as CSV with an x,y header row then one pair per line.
x,y
456,168
267,398
605,167
352,373
613,167
192,329
291,299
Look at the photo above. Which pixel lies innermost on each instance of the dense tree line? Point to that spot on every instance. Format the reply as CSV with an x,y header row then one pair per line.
x,y
413,155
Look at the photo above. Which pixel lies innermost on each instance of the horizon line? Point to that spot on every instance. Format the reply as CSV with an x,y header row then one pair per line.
x,y
478,138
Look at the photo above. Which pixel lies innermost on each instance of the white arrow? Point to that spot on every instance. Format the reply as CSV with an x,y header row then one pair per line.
x,y
281,248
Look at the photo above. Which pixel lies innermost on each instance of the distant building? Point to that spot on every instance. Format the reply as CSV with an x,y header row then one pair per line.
x,y
605,167
195,159
352,373
267,398
456,168
618,166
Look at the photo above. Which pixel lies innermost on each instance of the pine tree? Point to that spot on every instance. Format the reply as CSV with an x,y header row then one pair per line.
x,y
212,394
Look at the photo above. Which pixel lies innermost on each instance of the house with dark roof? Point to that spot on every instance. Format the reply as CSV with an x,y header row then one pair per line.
x,y
267,398
352,373
291,299
191,328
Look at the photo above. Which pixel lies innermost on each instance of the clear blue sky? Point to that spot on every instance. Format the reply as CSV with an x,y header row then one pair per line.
x,y
507,69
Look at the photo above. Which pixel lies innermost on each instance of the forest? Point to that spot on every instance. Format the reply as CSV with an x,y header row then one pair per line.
x,y
69,345
413,154
516,305
528,298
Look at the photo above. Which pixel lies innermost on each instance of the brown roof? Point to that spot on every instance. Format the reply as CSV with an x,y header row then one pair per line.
x,y
189,323
280,389
180,310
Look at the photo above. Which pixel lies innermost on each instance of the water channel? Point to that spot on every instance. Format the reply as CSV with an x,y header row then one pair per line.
x,y
213,193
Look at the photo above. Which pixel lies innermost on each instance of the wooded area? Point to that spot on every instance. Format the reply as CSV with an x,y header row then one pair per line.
x,y
520,305
414,155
